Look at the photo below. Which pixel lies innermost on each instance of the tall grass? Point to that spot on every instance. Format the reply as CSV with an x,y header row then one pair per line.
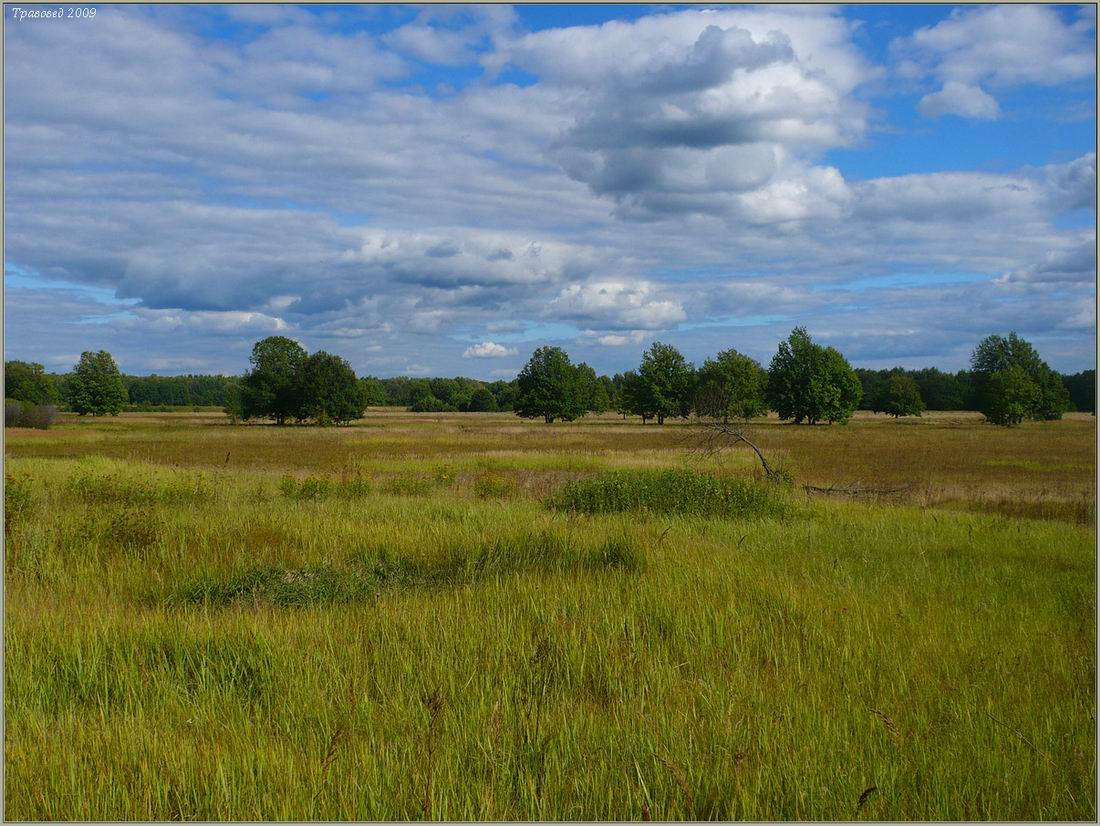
x,y
198,643
681,492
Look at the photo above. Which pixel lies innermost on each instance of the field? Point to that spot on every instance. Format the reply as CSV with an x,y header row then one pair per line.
x,y
418,617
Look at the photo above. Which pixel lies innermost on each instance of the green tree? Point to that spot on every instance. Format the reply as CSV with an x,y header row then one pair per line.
x,y
994,354
550,387
595,394
1082,390
874,387
29,382
482,401
427,403
234,403
667,382
328,390
902,396
633,399
374,392
270,389
731,386
811,383
505,393
95,386
940,391
1010,396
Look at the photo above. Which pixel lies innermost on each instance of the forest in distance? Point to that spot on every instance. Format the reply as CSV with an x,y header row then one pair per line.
x,y
29,382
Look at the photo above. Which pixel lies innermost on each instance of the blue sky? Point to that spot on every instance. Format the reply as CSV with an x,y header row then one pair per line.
x,y
439,190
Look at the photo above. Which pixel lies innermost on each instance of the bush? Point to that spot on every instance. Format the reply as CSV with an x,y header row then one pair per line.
x,y
671,491
140,489
19,414
494,486
323,487
430,404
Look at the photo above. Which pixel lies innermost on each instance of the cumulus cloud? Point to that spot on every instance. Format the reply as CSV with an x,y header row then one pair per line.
x,y
962,99
999,47
617,304
219,323
622,339
452,35
488,350
704,111
1073,265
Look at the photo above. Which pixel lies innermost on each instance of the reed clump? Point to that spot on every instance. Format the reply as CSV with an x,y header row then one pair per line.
x,y
679,492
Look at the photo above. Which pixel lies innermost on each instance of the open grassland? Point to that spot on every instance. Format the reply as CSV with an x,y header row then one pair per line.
x,y
470,616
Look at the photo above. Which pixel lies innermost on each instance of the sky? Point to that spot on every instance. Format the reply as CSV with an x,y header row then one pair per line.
x,y
439,190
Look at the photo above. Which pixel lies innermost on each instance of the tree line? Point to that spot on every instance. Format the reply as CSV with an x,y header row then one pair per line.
x,y
805,382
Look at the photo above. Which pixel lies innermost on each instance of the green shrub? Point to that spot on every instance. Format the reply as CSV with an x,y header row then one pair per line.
x,y
132,529
316,488
445,474
495,486
407,486
116,487
671,491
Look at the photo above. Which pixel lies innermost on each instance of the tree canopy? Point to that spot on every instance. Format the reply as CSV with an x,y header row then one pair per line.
x,y
329,390
270,389
730,386
95,386
810,383
665,383
29,382
999,401
902,396
287,383
551,387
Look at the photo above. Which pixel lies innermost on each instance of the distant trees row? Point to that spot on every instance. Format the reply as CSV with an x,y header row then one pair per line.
x,y
30,383
806,382
1008,382
94,387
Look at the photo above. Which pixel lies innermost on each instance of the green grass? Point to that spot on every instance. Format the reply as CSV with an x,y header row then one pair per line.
x,y
213,641
672,492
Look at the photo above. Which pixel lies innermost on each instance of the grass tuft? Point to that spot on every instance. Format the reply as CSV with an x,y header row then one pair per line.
x,y
679,492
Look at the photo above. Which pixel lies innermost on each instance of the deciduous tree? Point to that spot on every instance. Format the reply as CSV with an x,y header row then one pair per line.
x,y
550,387
270,389
811,383
666,381
730,386
95,386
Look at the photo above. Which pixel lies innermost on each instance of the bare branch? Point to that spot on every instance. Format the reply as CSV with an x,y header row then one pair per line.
x,y
712,436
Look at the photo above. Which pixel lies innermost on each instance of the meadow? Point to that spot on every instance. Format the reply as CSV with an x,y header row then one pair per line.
x,y
470,616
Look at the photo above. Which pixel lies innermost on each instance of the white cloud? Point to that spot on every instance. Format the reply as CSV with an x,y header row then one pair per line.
x,y
609,305
961,99
709,111
230,322
1074,264
488,350
622,339
999,47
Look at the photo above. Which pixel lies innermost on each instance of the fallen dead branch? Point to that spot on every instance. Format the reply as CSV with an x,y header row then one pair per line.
x,y
855,490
